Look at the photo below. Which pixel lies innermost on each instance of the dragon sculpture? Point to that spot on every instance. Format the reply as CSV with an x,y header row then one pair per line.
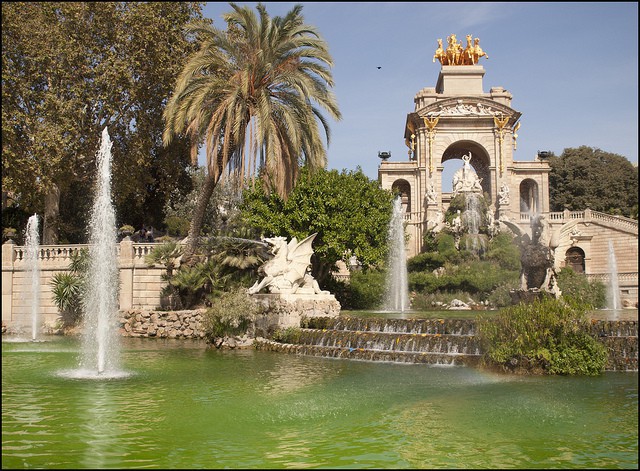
x,y
288,270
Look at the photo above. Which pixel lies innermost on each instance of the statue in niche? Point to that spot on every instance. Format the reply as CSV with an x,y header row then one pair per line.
x,y
466,179
289,269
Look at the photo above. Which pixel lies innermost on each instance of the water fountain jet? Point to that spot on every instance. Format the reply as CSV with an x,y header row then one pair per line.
x,y
614,288
100,353
397,284
32,242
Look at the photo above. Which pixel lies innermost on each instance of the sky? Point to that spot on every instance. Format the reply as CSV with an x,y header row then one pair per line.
x,y
572,69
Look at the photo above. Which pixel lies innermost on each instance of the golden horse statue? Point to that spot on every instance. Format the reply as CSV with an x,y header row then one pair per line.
x,y
440,54
467,54
454,54
478,52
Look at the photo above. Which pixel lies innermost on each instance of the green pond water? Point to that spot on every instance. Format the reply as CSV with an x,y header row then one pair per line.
x,y
183,405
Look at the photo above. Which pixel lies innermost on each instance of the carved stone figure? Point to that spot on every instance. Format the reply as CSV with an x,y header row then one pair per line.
x,y
288,269
432,196
466,179
503,195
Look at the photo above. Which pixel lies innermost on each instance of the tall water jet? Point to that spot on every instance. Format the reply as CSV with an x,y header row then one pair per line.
x,y
100,342
397,284
614,288
32,242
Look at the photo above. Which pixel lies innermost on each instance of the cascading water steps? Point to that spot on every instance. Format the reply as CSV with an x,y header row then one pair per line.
x,y
431,341
428,341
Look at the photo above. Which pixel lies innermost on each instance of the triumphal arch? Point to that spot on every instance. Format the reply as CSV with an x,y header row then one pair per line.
x,y
457,119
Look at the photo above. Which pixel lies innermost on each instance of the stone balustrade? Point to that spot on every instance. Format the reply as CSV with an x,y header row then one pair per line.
x,y
140,284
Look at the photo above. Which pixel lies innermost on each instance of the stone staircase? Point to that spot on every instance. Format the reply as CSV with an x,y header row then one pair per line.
x,y
429,341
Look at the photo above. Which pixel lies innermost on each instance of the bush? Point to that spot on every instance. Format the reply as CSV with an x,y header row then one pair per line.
x,y
426,261
471,277
576,286
288,335
503,251
364,290
548,336
232,313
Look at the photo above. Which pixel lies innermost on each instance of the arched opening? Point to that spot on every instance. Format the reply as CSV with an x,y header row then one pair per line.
x,y
452,161
529,196
404,189
574,258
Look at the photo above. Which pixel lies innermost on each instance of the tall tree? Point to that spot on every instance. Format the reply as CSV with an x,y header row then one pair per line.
x,y
69,69
251,95
349,212
585,177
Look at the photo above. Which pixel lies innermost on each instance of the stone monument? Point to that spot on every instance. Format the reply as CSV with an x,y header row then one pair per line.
x,y
293,292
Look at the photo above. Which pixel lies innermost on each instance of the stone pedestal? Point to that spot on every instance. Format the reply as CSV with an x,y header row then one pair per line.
x,y
282,310
460,79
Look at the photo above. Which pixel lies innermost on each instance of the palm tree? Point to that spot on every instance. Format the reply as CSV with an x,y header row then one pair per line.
x,y
251,95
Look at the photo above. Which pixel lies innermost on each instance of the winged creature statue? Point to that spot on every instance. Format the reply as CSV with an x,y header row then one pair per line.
x,y
287,270
536,255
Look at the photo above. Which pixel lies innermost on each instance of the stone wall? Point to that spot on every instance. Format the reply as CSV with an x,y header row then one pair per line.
x,y
140,284
162,324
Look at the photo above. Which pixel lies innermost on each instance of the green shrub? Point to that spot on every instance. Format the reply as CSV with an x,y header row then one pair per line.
x,y
548,336
500,296
232,313
287,335
426,261
364,290
576,286
503,251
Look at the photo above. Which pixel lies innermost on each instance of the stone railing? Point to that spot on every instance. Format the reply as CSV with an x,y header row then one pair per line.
x,y
140,284
587,216
623,278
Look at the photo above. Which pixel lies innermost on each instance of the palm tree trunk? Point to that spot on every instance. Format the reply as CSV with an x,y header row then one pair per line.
x,y
196,223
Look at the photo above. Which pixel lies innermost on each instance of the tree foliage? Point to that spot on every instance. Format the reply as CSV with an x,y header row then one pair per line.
x,y
349,212
585,177
254,91
68,71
